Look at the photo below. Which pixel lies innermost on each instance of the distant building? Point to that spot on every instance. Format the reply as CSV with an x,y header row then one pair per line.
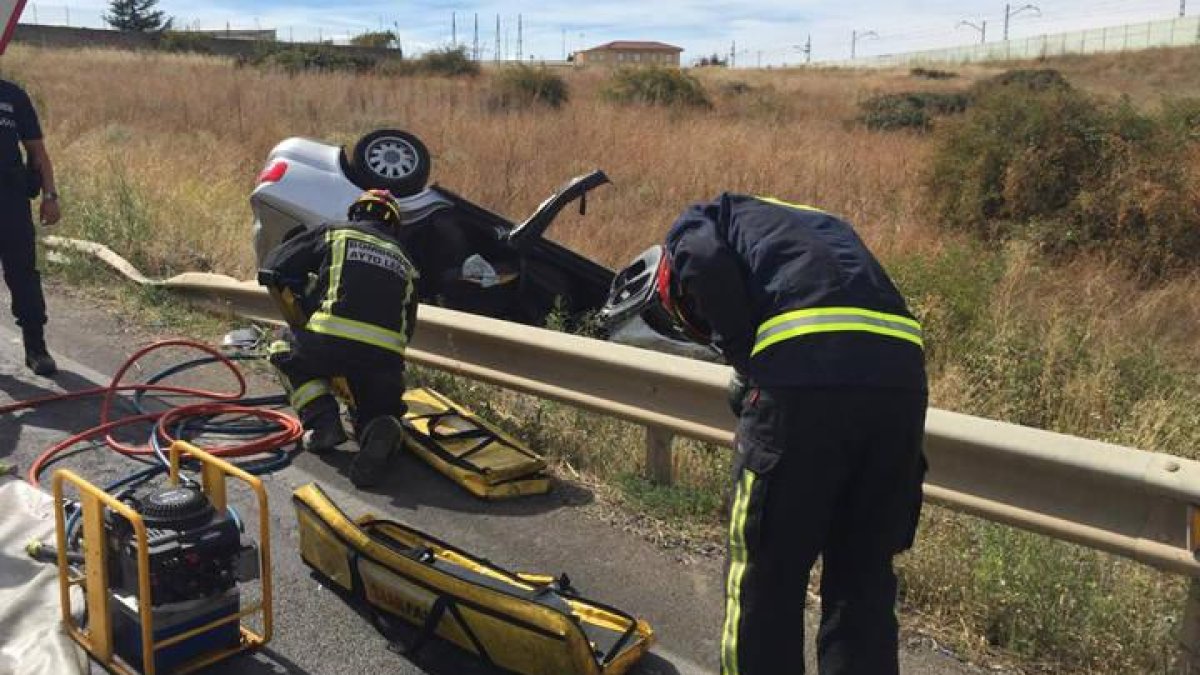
x,y
630,53
237,34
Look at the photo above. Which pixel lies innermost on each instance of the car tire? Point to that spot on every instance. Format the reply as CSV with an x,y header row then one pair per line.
x,y
392,160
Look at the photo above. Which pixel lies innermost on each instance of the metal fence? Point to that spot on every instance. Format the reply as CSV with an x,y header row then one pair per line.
x,y
1178,32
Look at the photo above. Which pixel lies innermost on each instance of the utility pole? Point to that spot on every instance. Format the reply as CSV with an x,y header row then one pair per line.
x,y
733,54
497,38
1182,7
564,36
855,36
520,37
454,29
980,27
1009,13
475,48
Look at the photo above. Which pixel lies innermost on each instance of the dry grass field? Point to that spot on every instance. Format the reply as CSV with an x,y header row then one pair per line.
x,y
157,154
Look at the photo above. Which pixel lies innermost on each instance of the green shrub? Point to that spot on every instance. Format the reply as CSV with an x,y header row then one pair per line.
x,y
656,86
1182,116
1045,163
448,62
296,59
1042,79
183,42
523,86
932,74
913,110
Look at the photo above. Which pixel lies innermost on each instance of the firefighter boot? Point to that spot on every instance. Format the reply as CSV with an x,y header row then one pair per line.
x,y
37,357
322,434
381,439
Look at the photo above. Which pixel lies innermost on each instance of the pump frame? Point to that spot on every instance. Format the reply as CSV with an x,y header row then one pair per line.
x,y
97,637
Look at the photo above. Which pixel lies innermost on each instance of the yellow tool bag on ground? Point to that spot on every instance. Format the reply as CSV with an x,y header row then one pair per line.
x,y
469,450
527,624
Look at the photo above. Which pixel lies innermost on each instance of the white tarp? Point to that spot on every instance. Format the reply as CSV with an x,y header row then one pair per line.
x,y
32,640
10,12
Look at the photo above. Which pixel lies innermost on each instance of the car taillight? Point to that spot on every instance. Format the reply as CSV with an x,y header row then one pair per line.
x,y
273,173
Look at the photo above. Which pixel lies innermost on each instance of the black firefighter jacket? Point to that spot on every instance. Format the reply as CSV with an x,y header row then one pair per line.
x,y
794,297
356,285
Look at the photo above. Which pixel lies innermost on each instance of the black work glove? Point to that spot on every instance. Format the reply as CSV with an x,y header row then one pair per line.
x,y
738,388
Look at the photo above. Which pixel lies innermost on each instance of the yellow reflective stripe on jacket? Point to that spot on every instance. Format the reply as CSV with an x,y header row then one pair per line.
x,y
307,393
337,258
837,319
328,324
790,205
337,243
739,558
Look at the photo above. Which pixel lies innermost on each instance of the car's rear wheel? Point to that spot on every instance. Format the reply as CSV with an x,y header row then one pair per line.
x,y
392,160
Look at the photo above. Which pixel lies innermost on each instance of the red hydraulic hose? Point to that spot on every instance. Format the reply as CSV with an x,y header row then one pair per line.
x,y
219,403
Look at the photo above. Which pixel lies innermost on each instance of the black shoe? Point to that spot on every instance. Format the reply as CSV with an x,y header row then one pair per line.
x,y
324,437
382,438
41,363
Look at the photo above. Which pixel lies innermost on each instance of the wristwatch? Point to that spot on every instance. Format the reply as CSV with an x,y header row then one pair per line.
x,y
50,196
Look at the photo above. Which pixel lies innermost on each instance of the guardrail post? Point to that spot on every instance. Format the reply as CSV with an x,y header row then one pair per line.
x,y
660,464
1189,633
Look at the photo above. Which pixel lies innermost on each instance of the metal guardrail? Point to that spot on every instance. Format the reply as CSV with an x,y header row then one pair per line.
x,y
1132,503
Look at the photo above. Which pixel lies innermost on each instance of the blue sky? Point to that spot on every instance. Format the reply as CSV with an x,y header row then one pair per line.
x,y
763,30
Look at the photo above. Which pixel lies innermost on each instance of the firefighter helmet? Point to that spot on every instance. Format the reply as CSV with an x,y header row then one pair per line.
x,y
378,205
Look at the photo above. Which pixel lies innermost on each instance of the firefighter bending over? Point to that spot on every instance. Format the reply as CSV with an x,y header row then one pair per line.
x,y
355,287
830,391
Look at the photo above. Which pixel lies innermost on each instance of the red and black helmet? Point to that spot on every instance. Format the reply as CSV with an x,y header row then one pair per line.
x,y
378,205
648,288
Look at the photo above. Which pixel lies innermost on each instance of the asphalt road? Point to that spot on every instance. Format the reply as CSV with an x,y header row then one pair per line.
x,y
315,631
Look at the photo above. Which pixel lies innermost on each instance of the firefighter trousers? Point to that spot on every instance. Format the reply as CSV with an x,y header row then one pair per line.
x,y
307,362
18,256
835,473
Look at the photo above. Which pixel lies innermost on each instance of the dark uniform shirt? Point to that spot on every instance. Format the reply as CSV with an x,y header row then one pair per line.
x,y
744,261
18,122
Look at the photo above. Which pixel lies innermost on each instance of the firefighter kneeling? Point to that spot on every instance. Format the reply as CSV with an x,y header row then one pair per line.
x,y
355,287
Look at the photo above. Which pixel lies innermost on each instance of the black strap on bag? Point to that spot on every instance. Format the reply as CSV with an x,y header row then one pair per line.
x,y
396,644
486,437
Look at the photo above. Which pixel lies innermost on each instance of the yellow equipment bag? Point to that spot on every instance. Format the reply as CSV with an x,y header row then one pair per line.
x,y
469,450
527,624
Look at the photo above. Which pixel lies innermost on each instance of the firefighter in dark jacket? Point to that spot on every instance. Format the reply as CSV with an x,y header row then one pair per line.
x,y
830,391
355,286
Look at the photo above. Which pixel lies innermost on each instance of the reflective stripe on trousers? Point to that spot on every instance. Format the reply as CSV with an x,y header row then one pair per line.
x,y
739,558
803,322
336,326
308,392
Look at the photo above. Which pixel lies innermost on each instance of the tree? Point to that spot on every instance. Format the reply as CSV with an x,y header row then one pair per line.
x,y
378,40
713,60
137,16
